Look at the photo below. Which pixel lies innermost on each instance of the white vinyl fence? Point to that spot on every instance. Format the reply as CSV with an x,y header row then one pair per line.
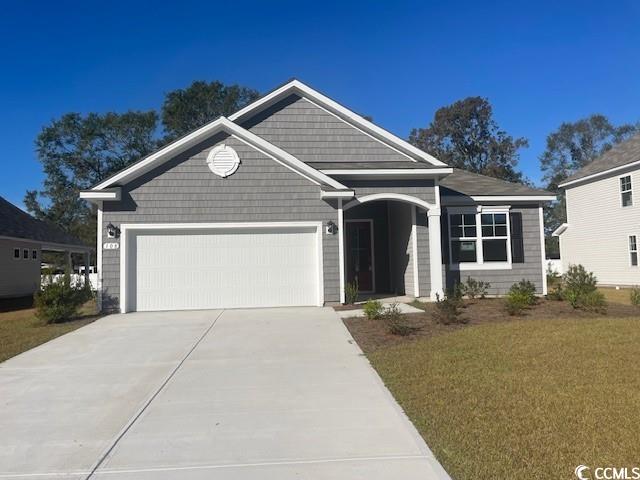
x,y
555,265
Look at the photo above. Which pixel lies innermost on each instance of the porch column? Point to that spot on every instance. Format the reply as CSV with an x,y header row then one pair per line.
x,y
341,249
86,269
435,252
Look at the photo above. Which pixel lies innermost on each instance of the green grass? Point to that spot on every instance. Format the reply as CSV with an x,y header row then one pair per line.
x,y
524,399
20,330
616,296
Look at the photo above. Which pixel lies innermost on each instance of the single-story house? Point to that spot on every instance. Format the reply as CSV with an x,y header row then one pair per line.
x,y
602,231
293,197
22,241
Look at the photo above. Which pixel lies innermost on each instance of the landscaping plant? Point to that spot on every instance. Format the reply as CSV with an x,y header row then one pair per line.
x,y
58,301
475,288
447,310
634,296
580,289
373,309
396,322
351,292
521,296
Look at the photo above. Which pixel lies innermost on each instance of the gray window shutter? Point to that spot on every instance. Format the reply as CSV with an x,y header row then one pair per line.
x,y
517,241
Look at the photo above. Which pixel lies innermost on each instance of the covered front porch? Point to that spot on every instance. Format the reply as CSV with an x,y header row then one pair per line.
x,y
386,247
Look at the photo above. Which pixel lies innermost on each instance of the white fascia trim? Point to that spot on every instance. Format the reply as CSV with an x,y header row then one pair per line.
x,y
593,176
112,194
295,86
412,172
56,247
513,198
126,228
220,125
560,230
390,196
347,194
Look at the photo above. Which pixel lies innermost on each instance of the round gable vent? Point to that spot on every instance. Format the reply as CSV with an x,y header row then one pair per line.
x,y
223,160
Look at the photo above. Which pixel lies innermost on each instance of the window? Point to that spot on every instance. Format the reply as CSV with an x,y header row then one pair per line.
x,y
633,250
34,254
625,191
25,254
480,240
16,253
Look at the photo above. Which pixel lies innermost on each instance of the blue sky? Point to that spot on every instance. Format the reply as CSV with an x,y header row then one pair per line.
x,y
539,63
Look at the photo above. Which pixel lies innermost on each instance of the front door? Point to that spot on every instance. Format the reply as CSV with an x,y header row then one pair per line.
x,y
359,243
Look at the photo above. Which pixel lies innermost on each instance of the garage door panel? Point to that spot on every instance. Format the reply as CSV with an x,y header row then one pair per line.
x,y
223,269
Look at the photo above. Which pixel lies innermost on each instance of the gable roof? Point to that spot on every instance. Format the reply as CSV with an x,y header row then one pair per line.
x,y
222,124
476,185
296,87
619,157
18,224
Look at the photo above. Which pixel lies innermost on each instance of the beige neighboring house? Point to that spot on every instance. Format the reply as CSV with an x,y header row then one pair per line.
x,y
603,216
22,241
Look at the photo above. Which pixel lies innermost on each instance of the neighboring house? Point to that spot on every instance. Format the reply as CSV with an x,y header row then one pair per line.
x,y
292,197
22,240
603,216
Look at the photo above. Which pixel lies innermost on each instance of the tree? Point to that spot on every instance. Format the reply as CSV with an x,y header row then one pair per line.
x,y
186,109
569,148
79,151
464,135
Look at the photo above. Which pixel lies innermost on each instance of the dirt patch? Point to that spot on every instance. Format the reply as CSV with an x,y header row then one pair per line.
x,y
373,334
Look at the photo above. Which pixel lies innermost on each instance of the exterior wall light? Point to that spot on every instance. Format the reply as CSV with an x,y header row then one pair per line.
x,y
112,231
331,228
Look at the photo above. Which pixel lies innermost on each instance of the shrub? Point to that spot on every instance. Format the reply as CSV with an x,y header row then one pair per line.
x,y
372,309
516,302
634,296
557,293
526,290
351,292
59,301
396,322
593,302
553,277
577,283
475,288
447,310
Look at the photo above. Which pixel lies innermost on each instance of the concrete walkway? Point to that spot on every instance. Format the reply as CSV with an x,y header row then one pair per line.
x,y
237,394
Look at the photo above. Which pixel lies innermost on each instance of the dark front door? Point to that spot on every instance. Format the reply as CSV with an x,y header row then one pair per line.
x,y
360,254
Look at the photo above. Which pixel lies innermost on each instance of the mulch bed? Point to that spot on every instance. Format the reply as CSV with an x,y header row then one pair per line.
x,y
373,334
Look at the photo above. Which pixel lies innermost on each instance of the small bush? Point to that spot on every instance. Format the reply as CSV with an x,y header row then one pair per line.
x,y
553,277
351,292
447,310
594,302
59,301
396,322
634,296
525,289
577,284
516,302
475,288
372,309
557,293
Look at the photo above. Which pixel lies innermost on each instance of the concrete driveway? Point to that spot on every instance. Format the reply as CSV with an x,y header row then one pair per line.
x,y
235,394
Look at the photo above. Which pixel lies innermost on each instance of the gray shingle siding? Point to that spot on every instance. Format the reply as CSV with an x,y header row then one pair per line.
x,y
424,267
184,190
501,280
313,135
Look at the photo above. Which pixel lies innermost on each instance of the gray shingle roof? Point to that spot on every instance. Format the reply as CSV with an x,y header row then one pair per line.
x,y
16,223
619,156
371,165
474,184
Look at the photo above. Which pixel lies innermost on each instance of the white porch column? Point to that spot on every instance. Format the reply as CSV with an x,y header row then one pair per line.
x,y
86,268
341,249
435,253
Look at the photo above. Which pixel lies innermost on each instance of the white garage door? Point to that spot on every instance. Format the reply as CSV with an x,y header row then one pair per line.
x,y
222,268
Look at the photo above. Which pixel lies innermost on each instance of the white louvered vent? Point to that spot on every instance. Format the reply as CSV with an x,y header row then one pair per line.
x,y
223,160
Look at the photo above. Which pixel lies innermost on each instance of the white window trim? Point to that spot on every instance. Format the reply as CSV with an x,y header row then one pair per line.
x,y
622,205
127,229
633,251
480,264
19,253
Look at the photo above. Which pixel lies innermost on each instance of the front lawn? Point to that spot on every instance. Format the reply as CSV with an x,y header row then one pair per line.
x,y
516,397
20,330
